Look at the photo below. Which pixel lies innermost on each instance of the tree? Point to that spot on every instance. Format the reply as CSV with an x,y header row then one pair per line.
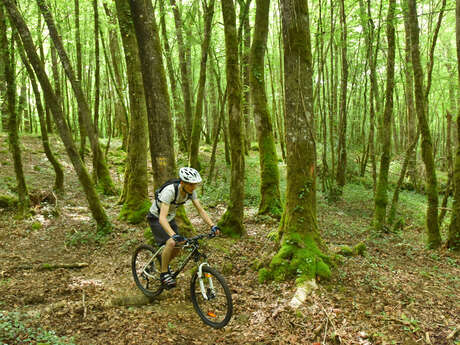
x,y
13,135
433,235
184,72
135,190
342,145
270,202
302,251
197,120
156,92
453,239
59,179
102,172
232,221
381,197
95,206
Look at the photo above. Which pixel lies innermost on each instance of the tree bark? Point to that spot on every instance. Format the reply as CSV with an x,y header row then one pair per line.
x,y
410,107
81,125
103,173
433,235
85,179
453,237
381,197
135,190
184,72
59,173
270,202
13,135
178,112
232,221
302,250
342,146
155,90
197,120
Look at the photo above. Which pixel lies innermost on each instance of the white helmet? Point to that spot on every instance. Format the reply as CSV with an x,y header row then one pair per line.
x,y
189,175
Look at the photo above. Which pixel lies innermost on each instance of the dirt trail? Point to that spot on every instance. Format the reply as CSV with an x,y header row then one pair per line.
x,y
398,293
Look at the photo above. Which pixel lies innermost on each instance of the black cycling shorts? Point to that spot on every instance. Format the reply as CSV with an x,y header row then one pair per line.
x,y
160,235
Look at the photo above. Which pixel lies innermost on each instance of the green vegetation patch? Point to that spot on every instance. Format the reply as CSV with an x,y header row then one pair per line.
x,y
14,330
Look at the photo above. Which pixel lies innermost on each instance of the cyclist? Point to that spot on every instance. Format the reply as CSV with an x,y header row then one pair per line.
x,y
162,214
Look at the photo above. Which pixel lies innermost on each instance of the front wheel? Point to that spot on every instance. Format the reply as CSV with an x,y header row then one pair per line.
x,y
211,297
145,266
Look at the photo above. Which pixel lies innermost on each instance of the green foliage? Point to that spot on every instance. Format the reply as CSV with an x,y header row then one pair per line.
x,y
36,225
7,201
14,329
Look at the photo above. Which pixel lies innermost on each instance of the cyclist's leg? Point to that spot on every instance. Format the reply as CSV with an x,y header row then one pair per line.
x,y
170,251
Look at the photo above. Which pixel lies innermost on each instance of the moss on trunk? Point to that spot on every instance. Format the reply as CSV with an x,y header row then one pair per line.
x,y
232,221
302,252
270,202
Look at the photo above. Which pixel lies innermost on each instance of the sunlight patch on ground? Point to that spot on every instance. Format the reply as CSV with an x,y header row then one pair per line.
x,y
77,213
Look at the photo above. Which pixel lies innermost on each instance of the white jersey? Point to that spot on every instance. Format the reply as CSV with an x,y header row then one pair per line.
x,y
168,196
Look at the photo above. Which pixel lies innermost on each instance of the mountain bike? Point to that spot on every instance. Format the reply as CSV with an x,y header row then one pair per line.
x,y
209,291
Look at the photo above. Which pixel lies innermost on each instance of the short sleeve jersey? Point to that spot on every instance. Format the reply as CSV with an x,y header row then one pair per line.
x,y
167,196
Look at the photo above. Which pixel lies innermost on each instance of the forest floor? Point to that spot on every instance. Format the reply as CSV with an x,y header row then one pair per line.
x,y
397,293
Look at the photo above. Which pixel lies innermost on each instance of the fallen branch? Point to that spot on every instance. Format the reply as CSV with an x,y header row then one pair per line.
x,y
49,267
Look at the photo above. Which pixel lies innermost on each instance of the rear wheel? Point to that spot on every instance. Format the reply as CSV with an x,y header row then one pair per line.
x,y
211,297
145,265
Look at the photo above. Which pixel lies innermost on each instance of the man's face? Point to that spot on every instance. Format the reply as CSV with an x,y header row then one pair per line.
x,y
190,187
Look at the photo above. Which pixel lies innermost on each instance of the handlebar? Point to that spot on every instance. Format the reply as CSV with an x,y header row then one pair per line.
x,y
195,239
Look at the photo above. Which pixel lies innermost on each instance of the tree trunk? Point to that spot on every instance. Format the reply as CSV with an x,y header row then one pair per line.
x,y
59,178
197,120
103,173
85,179
302,250
232,221
156,92
342,146
270,202
381,198
13,135
184,72
433,235
178,113
410,108
135,190
97,88
245,51
453,238
79,77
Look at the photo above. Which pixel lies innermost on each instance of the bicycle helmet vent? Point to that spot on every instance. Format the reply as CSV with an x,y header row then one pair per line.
x,y
189,175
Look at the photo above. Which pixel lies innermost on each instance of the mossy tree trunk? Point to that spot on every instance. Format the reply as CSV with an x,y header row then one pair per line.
x,y
197,120
177,108
245,42
64,132
104,180
232,221
302,251
59,173
81,125
156,92
13,135
135,191
185,73
410,107
453,239
342,144
97,85
433,235
381,197
270,202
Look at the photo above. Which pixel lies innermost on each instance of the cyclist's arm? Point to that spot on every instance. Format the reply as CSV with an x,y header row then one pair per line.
x,y
163,220
202,212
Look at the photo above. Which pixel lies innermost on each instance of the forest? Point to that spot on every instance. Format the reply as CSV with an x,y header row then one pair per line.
x,y
327,134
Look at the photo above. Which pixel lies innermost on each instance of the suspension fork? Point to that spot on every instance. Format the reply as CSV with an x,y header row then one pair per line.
x,y
200,277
